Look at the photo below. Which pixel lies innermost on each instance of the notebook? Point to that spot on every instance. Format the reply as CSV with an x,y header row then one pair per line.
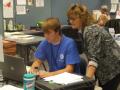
x,y
14,68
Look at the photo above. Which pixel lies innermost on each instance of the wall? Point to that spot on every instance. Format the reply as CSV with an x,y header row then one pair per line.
x,y
59,7
106,2
55,8
35,14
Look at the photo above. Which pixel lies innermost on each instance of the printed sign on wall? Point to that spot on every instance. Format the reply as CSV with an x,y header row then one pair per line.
x,y
8,9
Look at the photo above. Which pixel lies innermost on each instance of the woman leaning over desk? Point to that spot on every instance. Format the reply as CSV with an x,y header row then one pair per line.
x,y
102,51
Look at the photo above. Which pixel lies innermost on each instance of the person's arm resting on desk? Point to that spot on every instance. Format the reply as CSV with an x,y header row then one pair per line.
x,y
42,74
68,68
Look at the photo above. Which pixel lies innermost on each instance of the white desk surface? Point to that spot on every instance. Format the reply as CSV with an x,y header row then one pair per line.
x,y
20,37
10,87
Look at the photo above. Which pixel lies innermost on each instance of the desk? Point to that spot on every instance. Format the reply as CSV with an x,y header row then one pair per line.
x,y
87,84
24,47
24,43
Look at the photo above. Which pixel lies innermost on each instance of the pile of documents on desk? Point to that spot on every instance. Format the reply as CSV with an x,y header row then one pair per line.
x,y
18,37
64,78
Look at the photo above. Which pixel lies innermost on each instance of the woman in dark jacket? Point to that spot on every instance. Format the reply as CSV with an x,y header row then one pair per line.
x,y
102,50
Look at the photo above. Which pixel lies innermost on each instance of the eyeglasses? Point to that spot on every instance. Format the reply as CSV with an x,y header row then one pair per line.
x,y
73,18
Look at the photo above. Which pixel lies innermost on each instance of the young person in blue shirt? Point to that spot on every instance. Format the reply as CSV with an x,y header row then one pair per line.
x,y
59,51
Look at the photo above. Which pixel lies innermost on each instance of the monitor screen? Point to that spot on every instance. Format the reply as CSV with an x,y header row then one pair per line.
x,y
67,30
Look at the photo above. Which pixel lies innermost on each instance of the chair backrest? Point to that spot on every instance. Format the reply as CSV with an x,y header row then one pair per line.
x,y
68,31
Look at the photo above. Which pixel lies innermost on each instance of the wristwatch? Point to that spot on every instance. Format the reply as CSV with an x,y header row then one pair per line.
x,y
36,67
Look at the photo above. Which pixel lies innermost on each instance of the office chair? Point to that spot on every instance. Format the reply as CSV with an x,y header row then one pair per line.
x,y
68,31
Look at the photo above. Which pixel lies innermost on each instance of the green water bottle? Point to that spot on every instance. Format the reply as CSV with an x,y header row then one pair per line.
x,y
29,82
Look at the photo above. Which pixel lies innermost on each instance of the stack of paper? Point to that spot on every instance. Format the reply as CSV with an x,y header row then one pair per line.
x,y
64,78
10,87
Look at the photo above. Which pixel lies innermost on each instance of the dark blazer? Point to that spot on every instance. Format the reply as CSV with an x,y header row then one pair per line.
x,y
103,49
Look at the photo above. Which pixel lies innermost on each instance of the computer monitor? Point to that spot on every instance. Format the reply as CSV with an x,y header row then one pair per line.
x,y
67,30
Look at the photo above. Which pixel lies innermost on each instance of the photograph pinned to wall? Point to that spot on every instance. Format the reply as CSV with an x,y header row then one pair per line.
x,y
21,2
8,9
20,10
30,2
39,3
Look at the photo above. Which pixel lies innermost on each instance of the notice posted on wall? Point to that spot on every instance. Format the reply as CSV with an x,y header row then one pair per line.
x,y
8,9
20,10
1,50
39,3
21,2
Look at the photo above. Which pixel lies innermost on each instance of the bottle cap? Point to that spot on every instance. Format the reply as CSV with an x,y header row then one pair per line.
x,y
28,75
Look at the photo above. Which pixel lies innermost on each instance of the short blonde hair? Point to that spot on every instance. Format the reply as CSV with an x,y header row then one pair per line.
x,y
104,18
81,11
51,23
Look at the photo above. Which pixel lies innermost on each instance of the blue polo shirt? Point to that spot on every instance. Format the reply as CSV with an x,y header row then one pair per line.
x,y
58,56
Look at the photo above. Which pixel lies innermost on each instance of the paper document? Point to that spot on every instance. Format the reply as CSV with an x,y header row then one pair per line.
x,y
20,10
39,3
113,8
21,2
10,87
64,78
118,14
115,1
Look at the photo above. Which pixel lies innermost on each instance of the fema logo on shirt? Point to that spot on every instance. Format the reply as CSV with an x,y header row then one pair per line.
x,y
61,56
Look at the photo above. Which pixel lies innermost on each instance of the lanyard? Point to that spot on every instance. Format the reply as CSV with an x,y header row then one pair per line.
x,y
55,57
